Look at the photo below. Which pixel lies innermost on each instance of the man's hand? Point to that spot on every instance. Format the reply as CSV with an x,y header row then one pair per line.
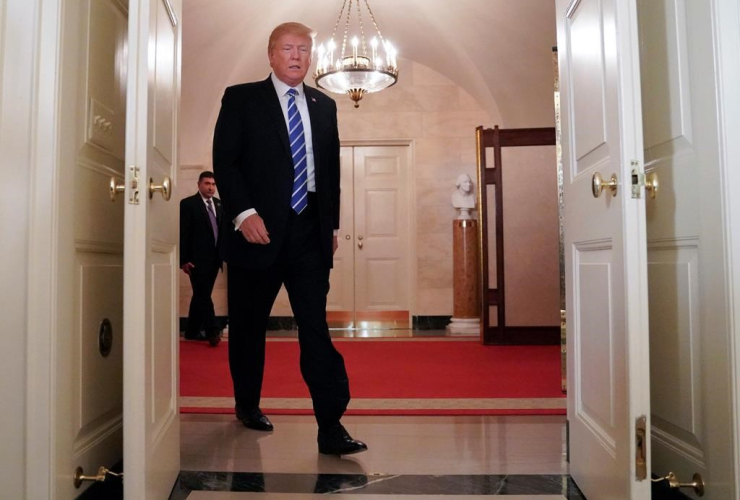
x,y
334,245
254,231
187,267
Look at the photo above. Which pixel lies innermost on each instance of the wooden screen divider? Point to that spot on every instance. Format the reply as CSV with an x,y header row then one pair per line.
x,y
498,139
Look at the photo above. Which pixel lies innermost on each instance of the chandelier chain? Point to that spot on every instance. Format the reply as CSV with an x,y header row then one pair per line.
x,y
372,16
339,18
362,29
346,28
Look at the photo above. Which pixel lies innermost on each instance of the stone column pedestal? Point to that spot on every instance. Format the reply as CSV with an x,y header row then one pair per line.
x,y
465,276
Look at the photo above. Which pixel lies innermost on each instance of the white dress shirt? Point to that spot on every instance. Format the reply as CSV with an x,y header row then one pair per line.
x,y
282,92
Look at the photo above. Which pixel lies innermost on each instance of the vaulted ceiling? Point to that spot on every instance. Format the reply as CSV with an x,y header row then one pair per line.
x,y
499,51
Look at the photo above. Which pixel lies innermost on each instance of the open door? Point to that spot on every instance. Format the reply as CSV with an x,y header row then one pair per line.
x,y
151,434
605,249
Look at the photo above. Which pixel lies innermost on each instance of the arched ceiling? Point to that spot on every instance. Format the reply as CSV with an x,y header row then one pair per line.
x,y
499,51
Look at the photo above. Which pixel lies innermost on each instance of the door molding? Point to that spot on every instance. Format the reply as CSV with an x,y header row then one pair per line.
x,y
44,39
726,14
410,209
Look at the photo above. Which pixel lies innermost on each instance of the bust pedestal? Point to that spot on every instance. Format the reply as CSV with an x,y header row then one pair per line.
x,y
465,276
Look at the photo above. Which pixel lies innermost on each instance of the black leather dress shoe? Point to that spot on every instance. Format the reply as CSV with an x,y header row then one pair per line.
x,y
254,419
337,441
214,337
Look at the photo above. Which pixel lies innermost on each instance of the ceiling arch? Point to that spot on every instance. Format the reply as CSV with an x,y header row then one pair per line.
x,y
499,51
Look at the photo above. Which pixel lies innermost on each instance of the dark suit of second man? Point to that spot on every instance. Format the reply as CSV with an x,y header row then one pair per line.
x,y
200,216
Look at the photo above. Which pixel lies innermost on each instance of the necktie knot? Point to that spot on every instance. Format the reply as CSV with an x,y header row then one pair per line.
x,y
292,92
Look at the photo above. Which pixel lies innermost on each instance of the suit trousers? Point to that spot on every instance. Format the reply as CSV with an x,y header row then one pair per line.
x,y
201,313
301,267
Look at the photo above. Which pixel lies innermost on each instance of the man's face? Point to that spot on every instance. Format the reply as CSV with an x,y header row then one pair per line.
x,y
466,185
290,58
207,187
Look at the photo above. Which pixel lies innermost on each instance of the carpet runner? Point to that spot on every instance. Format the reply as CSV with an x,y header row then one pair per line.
x,y
390,377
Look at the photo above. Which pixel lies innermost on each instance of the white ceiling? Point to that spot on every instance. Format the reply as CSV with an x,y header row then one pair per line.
x,y
499,51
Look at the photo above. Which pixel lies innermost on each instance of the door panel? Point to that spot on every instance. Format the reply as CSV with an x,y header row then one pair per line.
x,y
690,374
341,296
89,383
382,228
605,253
151,433
370,279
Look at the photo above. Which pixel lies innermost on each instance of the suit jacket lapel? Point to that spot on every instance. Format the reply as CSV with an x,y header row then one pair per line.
x,y
275,113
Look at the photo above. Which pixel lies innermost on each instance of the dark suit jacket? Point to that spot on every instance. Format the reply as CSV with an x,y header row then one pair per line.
x,y
253,166
196,235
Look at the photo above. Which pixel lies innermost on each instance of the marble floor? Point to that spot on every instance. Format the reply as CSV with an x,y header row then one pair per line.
x,y
415,458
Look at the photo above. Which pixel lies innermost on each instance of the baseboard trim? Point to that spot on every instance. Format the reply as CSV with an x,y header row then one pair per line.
x,y
523,335
288,322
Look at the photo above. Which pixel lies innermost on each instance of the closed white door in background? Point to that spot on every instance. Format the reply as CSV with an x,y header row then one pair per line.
x,y
370,282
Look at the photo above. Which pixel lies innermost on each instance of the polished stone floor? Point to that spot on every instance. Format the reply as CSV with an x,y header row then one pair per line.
x,y
415,458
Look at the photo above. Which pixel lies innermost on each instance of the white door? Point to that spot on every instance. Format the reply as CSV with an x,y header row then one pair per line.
x,y
88,370
151,439
605,253
370,280
341,298
690,372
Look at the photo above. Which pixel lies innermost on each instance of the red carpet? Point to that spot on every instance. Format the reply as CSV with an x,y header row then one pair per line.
x,y
392,370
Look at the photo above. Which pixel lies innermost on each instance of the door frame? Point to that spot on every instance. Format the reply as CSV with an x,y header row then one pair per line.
x,y
410,207
41,42
44,42
726,17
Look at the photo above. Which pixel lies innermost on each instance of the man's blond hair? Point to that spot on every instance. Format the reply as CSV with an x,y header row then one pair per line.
x,y
291,28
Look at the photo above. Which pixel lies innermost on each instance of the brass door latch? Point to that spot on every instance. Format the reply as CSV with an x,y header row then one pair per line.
x,y
102,475
673,483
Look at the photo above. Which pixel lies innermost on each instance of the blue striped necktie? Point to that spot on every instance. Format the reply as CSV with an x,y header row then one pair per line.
x,y
299,199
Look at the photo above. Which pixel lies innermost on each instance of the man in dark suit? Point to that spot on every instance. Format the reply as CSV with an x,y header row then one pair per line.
x,y
276,159
200,216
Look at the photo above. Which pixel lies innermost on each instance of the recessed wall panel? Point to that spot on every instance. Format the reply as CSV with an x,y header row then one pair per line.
x,y
588,77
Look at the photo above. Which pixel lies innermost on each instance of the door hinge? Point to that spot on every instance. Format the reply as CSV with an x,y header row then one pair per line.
x,y
638,179
641,448
133,198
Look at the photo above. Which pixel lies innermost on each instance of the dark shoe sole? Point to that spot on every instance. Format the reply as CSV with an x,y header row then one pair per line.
x,y
332,452
257,427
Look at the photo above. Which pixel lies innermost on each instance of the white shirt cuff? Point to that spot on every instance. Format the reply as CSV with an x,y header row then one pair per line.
x,y
240,218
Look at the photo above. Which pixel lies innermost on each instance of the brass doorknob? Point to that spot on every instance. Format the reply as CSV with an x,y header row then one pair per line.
x,y
347,237
164,188
115,188
359,242
651,184
697,483
598,185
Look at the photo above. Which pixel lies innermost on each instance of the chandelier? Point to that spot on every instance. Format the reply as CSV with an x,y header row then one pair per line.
x,y
359,72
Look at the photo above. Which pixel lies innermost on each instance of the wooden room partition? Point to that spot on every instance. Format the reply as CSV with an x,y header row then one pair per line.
x,y
497,139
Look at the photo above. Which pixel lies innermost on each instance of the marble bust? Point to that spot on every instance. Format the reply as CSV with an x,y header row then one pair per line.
x,y
463,198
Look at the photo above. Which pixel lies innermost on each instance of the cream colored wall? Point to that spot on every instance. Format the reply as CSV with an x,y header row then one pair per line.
x,y
531,236
439,118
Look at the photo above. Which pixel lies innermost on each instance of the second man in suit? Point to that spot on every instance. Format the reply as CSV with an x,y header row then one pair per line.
x,y
276,159
200,216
